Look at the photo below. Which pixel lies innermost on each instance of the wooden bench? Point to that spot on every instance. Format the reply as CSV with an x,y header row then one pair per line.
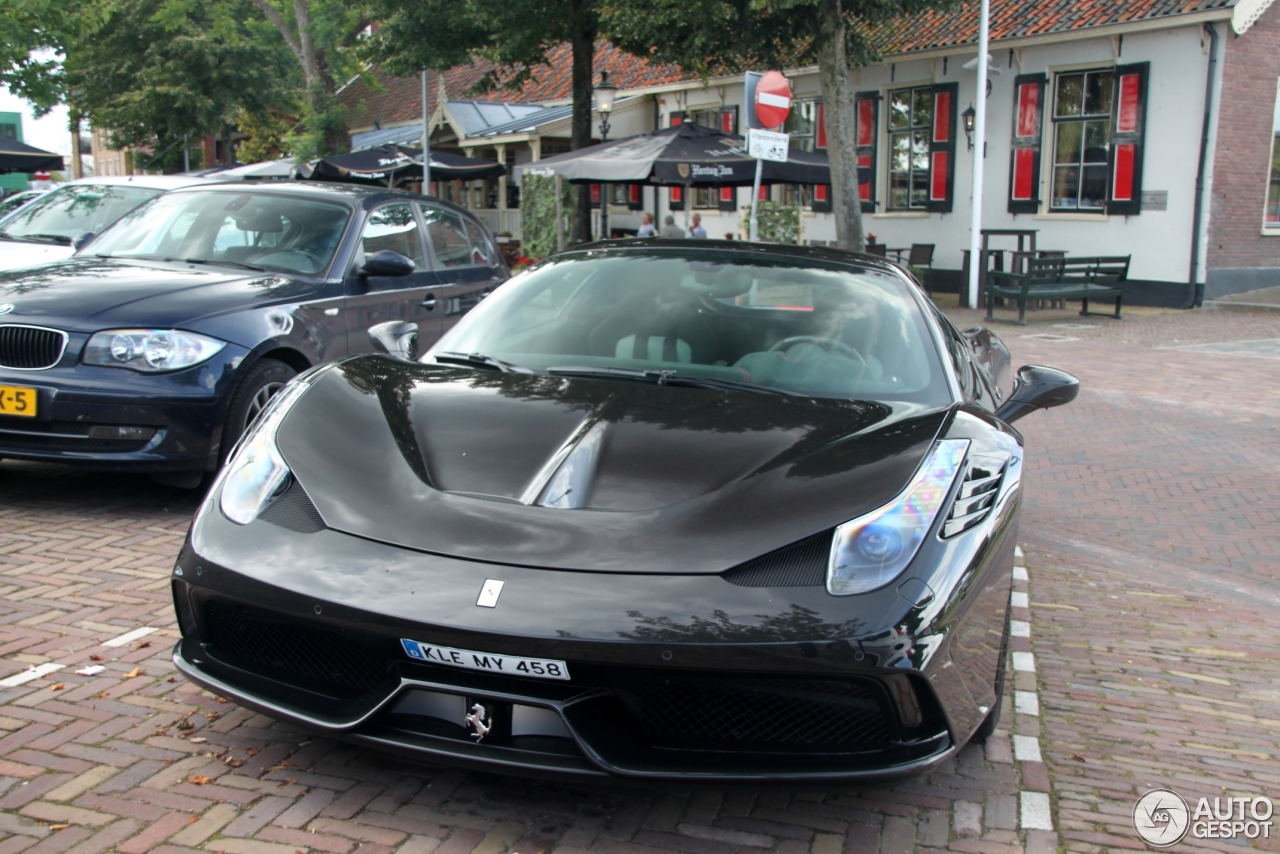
x,y
1061,278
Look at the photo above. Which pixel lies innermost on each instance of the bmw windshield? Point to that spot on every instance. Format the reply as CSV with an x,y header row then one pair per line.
x,y
729,317
253,230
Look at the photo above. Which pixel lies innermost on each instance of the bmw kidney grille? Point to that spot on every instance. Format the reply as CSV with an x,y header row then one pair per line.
x,y
30,348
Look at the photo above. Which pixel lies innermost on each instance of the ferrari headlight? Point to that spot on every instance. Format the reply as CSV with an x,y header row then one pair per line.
x,y
872,550
256,470
150,350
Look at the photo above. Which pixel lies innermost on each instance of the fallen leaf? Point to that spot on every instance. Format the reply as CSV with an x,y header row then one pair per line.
x,y
281,765
193,819
186,724
1077,757
58,687
135,672
101,695
173,679
251,751
59,826
200,780
234,763
212,716
199,740
161,732
222,699
95,658
402,800
142,645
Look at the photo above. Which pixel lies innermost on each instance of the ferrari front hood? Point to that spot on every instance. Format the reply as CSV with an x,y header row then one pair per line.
x,y
590,474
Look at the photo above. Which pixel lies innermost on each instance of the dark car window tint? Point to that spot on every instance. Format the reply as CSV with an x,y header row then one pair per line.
x,y
481,251
394,228
76,209
448,238
816,328
284,233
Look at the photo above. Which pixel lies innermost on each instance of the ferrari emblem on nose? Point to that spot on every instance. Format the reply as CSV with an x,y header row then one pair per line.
x,y
476,720
489,593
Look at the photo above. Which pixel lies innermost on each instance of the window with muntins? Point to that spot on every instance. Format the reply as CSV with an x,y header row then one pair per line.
x,y
1082,107
1271,220
910,121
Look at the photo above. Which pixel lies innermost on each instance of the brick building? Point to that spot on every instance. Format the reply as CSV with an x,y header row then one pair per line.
x,y
1133,127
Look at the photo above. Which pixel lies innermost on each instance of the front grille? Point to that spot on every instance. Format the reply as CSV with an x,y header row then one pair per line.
x,y
26,434
30,348
801,564
292,652
293,509
761,712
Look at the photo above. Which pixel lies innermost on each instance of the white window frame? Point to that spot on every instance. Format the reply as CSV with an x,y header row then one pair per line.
x,y
1272,229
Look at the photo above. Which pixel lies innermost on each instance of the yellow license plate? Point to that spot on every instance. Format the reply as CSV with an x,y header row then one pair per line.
x,y
17,400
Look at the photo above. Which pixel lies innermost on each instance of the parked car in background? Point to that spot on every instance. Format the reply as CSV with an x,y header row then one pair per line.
x,y
9,204
44,230
157,344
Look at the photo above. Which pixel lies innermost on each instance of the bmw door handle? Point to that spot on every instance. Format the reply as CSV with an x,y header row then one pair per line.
x,y
429,303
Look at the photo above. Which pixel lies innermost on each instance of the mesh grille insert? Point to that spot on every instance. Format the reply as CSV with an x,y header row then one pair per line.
x,y
30,347
293,509
762,711
801,564
294,653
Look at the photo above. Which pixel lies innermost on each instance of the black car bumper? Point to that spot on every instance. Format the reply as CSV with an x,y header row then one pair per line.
x,y
170,421
762,684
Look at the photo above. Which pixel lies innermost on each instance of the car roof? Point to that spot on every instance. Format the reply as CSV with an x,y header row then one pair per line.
x,y
356,193
790,250
159,182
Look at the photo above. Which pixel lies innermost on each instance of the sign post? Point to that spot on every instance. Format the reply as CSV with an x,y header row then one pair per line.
x,y
768,108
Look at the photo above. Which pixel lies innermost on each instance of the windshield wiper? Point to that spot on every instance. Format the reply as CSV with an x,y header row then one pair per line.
x,y
45,238
481,359
667,378
222,263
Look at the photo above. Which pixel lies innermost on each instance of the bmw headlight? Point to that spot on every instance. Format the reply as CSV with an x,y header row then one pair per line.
x,y
872,550
150,350
256,470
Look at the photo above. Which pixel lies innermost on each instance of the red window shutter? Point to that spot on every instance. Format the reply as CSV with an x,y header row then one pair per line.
x,y
728,198
677,118
595,195
822,198
1128,127
942,148
635,197
867,108
821,141
764,193
1024,158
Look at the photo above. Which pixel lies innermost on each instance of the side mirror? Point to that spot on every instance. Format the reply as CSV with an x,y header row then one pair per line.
x,y
80,241
1035,388
396,338
387,263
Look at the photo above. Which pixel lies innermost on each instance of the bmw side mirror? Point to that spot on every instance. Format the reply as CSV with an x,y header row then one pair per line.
x,y
80,241
1036,387
387,263
396,338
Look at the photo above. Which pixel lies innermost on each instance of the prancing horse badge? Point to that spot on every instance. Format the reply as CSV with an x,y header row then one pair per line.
x,y
489,593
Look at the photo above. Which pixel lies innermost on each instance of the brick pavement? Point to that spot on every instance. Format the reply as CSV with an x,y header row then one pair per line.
x,y
1157,488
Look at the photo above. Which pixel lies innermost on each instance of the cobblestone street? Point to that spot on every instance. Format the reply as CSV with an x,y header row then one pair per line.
x,y
1146,654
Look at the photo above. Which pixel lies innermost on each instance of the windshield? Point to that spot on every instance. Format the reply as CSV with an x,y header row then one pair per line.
x,y
75,209
17,200
250,229
793,325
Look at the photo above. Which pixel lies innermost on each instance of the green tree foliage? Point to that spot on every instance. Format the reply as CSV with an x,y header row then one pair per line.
x,y
515,34
156,71
722,36
538,214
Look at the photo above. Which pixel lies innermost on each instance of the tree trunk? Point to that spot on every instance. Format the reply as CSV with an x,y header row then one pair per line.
x,y
584,47
841,116
77,167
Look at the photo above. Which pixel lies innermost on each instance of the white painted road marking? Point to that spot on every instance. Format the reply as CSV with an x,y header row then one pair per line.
x,y
28,675
1035,811
1026,702
1020,573
1019,600
1024,661
1019,629
1026,748
130,637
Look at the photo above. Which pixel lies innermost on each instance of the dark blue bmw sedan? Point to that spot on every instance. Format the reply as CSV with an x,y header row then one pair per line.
x,y
162,338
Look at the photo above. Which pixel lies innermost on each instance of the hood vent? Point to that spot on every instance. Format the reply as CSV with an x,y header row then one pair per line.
x,y
801,564
977,495
293,509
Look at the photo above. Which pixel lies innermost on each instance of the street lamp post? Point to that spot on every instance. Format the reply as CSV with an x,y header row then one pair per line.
x,y
604,104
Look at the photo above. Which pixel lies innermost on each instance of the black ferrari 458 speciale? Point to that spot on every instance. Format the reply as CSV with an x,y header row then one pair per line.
x,y
686,510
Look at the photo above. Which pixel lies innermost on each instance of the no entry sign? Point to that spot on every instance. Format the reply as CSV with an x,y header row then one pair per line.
x,y
773,99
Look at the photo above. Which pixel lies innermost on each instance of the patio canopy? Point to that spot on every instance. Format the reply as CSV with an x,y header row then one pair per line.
x,y
388,165
684,154
19,157
269,170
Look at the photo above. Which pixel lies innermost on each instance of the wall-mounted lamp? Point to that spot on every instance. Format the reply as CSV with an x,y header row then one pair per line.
x,y
968,116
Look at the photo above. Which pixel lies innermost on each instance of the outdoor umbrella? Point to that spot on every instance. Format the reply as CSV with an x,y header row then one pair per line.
x,y
391,164
270,170
684,154
19,157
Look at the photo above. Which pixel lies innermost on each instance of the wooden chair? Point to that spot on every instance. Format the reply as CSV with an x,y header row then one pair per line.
x,y
876,249
921,255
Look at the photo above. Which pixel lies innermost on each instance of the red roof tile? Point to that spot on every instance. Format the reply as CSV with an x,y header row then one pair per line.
x,y
399,99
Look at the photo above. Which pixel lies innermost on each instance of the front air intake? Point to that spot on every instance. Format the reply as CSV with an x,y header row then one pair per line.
x,y
30,348
977,495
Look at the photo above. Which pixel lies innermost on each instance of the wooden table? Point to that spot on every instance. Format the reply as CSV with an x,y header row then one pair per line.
x,y
1026,243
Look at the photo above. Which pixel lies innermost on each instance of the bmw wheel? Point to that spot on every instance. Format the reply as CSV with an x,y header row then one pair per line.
x,y
263,381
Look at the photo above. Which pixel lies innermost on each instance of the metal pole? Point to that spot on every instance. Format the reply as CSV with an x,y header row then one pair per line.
x,y
976,261
559,212
426,139
186,155
755,200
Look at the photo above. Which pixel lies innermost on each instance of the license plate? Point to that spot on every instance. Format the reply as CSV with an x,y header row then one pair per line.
x,y
513,665
17,400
